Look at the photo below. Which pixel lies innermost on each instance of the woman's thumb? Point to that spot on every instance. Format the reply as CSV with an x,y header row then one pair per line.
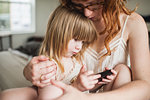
x,y
59,84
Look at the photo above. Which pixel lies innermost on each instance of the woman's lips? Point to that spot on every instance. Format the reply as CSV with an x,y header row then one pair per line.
x,y
93,19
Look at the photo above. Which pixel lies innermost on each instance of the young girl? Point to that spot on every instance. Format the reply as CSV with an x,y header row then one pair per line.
x,y
68,34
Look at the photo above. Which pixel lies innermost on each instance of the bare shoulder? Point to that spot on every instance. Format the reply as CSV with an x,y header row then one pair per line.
x,y
136,25
135,18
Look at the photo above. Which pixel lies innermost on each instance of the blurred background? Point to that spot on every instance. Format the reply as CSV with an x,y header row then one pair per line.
x,y
21,19
22,27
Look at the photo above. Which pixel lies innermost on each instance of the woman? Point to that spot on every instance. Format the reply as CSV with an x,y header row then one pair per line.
x,y
121,32
111,18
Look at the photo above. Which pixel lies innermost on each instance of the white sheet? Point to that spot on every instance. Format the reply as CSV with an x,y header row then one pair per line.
x,y
11,70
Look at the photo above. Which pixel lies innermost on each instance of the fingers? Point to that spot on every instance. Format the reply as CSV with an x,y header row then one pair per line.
x,y
41,85
41,62
59,84
43,67
94,82
48,76
106,80
88,80
109,78
35,66
45,64
114,72
40,71
44,80
106,68
40,58
94,77
88,73
37,71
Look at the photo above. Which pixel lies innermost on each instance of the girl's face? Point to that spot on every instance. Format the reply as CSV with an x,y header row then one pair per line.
x,y
92,9
74,46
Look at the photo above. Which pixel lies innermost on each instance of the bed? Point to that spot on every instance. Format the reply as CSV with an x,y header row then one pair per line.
x,y
13,61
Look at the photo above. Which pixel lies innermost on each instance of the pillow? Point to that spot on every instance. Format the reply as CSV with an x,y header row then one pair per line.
x,y
30,48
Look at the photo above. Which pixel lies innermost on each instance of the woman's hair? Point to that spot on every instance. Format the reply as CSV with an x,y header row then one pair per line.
x,y
110,12
64,25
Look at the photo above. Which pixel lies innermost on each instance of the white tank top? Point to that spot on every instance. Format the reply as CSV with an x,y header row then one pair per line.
x,y
119,55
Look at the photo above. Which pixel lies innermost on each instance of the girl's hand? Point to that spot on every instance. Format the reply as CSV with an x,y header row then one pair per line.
x,y
86,80
108,78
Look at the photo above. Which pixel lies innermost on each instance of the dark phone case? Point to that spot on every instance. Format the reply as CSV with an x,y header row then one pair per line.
x,y
104,74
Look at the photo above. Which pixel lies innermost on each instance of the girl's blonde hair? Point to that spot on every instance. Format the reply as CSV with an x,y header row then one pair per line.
x,y
64,25
111,11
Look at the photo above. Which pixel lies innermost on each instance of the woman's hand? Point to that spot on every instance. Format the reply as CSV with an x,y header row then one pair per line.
x,y
40,71
109,78
69,92
86,80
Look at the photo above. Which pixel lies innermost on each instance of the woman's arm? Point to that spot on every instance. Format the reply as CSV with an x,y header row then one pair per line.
x,y
139,48
136,90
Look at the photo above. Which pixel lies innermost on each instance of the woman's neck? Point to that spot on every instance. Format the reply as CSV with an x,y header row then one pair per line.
x,y
99,25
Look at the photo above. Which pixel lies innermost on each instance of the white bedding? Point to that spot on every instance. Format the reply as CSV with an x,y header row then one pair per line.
x,y
11,69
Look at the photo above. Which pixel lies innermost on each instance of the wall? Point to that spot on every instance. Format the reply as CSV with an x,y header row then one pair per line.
x,y
43,9
143,8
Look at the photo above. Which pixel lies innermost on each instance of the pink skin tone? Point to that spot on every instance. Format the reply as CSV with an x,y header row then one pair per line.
x,y
110,78
74,46
86,80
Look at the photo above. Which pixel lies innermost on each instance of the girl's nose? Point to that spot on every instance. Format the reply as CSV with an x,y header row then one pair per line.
x,y
78,46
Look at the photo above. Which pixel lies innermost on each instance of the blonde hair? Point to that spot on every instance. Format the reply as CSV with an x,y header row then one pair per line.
x,y
64,25
111,11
